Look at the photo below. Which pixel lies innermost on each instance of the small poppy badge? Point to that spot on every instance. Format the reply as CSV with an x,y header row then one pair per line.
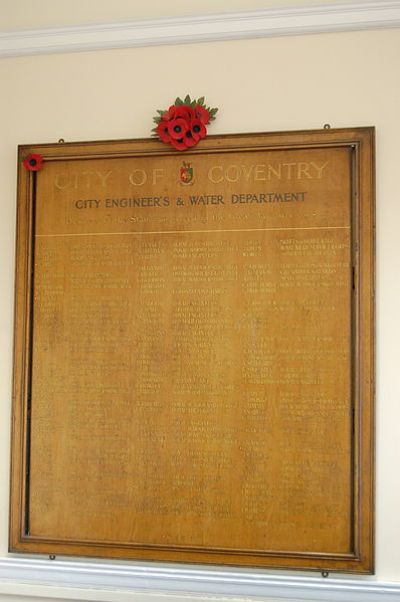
x,y
33,162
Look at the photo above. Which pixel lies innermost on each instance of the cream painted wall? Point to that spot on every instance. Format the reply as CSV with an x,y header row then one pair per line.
x,y
24,14
347,79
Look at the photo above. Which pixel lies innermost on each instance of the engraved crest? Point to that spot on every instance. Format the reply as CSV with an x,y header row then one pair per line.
x,y
186,173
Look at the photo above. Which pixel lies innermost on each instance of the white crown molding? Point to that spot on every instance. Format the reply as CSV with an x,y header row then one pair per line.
x,y
109,582
204,28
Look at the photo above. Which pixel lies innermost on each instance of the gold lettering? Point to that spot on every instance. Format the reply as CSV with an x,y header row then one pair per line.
x,y
84,179
275,172
319,168
247,171
138,177
215,179
289,169
303,169
260,172
104,177
157,174
232,173
61,181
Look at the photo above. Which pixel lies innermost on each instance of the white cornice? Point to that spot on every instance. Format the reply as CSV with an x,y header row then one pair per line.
x,y
205,28
109,582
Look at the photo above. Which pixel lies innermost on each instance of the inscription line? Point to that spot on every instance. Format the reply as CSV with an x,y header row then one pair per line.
x,y
193,231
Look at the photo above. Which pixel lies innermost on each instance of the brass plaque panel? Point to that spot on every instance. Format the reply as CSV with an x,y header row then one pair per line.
x,y
193,351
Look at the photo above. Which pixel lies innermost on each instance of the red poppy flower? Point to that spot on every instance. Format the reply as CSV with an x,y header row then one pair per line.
x,y
33,162
179,144
162,131
185,112
190,138
198,128
177,128
202,114
170,114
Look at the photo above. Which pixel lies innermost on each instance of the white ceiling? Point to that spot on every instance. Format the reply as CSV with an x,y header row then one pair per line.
x,y
27,14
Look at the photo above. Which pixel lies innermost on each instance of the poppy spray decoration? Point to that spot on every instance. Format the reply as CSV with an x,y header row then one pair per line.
x,y
183,125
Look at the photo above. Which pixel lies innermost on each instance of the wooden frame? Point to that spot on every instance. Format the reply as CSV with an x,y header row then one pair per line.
x,y
49,203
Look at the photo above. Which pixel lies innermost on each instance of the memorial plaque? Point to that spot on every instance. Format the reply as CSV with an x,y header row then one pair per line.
x,y
194,351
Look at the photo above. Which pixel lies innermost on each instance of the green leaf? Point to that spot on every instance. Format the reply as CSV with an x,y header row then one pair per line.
x,y
161,113
179,102
187,100
200,101
156,119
